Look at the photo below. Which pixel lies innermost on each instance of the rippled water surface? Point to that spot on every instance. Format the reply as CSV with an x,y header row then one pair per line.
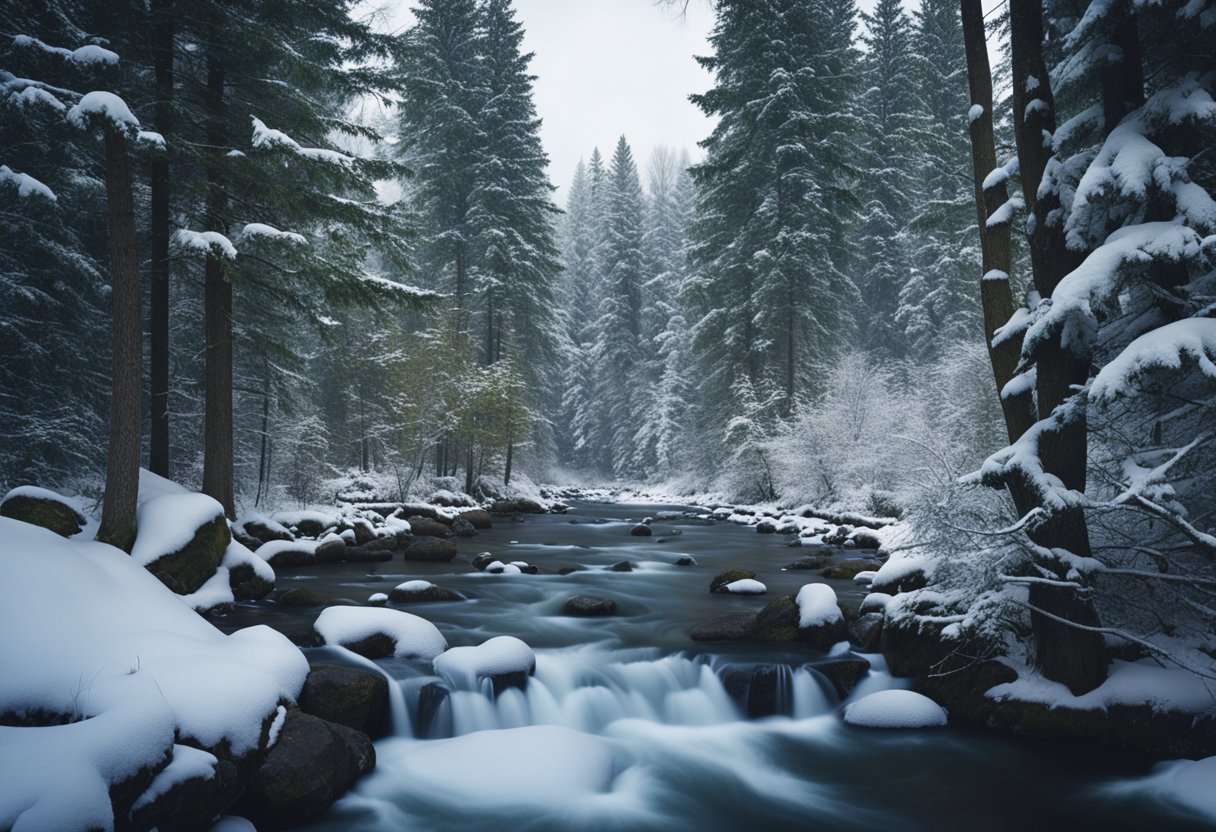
x,y
628,724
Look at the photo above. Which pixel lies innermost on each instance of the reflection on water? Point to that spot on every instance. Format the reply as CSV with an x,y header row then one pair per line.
x,y
628,724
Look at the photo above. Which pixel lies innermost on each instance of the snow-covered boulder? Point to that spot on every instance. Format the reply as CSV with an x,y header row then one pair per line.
x,y
249,577
744,586
463,528
503,661
377,632
895,709
181,538
307,522
154,673
281,553
418,591
311,765
902,575
264,529
421,526
729,576
641,530
820,621
44,508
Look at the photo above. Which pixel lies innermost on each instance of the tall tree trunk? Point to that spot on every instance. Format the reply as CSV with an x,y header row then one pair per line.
x,y
158,310
468,469
264,455
217,314
1063,653
122,458
996,298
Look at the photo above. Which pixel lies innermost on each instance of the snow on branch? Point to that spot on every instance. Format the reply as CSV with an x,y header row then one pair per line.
x,y
25,184
1003,215
1070,312
85,55
410,292
105,107
1166,348
267,138
25,92
205,242
1021,461
1015,327
269,232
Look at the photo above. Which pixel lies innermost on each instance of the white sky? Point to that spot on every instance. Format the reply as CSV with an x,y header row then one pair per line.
x,y
607,67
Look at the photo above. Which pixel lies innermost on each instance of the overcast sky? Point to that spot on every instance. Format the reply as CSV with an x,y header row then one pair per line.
x,y
607,67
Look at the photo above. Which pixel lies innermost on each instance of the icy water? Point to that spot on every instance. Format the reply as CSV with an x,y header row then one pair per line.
x,y
628,724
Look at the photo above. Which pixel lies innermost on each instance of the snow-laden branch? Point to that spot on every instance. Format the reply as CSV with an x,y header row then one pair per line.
x,y
257,230
26,185
205,242
267,138
107,108
85,55
1166,348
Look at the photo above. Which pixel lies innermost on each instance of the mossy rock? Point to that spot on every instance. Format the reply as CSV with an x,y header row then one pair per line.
x,y
727,626
247,585
302,597
192,565
46,511
777,621
426,527
430,549
729,577
479,518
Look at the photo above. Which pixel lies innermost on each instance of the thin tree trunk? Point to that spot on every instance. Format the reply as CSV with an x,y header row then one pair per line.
x,y
1063,653
506,475
158,311
217,317
122,458
996,298
468,469
264,455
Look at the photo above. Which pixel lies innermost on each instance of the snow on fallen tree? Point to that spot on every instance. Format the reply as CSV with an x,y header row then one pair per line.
x,y
106,671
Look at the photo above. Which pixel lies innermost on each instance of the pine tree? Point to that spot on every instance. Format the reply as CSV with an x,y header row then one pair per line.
x,y
618,345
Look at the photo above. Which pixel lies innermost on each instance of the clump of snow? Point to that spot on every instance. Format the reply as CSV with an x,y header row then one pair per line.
x,y
746,586
294,519
187,764
866,577
105,106
817,606
466,666
415,586
975,112
85,55
215,591
91,635
37,493
377,598
895,709
25,184
257,229
205,242
499,568
415,637
167,523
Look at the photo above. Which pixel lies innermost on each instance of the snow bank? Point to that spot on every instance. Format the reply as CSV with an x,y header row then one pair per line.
x,y
1129,683
167,523
415,637
466,666
89,635
747,586
895,709
817,606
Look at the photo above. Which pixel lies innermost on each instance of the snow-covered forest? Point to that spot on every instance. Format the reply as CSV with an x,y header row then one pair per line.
x,y
281,277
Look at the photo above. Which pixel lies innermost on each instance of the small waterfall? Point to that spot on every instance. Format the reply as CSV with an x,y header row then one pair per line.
x,y
588,689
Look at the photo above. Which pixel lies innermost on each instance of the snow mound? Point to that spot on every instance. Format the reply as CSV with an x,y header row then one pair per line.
x,y
91,637
106,106
895,709
167,523
534,764
817,606
415,586
466,666
415,637
747,586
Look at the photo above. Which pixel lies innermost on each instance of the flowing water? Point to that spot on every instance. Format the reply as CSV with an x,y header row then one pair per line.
x,y
628,724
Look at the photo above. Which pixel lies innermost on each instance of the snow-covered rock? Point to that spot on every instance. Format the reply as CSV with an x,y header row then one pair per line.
x,y
895,709
504,661
746,586
820,621
42,507
376,632
181,538
87,635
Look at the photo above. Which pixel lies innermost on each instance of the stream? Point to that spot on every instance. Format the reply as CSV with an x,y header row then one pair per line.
x,y
629,724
